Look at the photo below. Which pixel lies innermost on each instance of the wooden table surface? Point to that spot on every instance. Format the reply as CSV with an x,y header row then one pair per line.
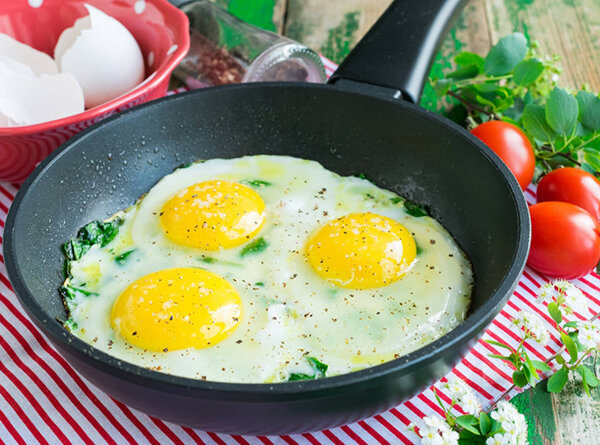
x,y
569,28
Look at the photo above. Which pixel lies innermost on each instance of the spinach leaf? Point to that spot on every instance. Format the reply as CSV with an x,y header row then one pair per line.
x,y
296,376
256,246
319,367
70,292
123,257
256,183
96,232
211,260
415,209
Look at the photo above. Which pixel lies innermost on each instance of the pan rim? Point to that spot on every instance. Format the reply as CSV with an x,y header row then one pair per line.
x,y
470,329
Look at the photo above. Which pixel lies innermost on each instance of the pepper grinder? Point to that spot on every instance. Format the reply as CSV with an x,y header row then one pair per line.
x,y
225,50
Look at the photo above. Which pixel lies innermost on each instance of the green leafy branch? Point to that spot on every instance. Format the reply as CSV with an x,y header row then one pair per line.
x,y
513,83
579,339
500,424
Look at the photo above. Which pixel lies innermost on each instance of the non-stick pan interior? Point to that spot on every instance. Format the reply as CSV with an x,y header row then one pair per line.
x,y
398,146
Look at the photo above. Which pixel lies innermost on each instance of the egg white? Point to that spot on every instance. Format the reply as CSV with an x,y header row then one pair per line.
x,y
290,313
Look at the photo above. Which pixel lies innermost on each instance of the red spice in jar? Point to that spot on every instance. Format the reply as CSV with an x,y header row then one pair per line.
x,y
211,65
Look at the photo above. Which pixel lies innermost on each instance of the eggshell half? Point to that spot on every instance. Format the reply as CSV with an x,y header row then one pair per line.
x,y
39,62
27,100
12,66
102,55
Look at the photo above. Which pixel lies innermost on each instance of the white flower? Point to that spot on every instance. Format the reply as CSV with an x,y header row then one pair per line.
x,y
589,334
437,432
548,293
513,424
569,296
450,437
533,327
436,423
497,439
460,393
470,404
575,300
456,388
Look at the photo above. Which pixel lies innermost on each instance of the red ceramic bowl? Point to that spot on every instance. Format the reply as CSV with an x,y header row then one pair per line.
x,y
161,30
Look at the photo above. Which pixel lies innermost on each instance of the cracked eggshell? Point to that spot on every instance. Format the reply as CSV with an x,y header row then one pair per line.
x,y
37,61
102,55
9,66
28,100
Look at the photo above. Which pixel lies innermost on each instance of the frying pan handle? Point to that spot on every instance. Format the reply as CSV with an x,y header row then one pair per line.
x,y
399,49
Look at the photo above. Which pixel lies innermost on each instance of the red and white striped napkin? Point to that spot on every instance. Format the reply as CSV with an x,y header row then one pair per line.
x,y
43,400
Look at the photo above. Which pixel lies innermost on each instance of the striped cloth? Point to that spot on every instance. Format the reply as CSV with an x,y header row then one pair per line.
x,y
43,400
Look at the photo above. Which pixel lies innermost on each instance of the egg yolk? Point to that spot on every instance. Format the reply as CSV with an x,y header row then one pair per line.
x,y
176,309
213,215
361,251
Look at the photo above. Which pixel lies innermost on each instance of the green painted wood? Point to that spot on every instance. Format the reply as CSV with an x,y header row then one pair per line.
x,y
537,407
261,13
341,39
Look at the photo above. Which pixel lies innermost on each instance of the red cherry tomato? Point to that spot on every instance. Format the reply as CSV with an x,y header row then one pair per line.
x,y
572,185
513,147
565,240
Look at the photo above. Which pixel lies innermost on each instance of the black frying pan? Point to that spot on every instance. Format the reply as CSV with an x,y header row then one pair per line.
x,y
358,124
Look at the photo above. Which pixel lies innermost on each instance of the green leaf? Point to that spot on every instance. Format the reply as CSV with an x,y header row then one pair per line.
x,y
592,157
496,428
438,399
590,377
505,55
257,183
318,366
464,72
485,424
414,209
515,112
558,380
528,375
211,260
123,257
527,71
534,121
98,232
468,422
540,365
467,58
519,379
570,324
497,343
532,369
70,292
562,111
256,246
501,357
589,110
468,437
441,86
555,312
571,346
297,376
70,324
560,360
75,248
419,248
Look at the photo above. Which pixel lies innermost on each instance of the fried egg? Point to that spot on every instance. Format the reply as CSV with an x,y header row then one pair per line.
x,y
265,269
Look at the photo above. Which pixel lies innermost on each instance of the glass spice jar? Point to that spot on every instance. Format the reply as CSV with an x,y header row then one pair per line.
x,y
224,50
